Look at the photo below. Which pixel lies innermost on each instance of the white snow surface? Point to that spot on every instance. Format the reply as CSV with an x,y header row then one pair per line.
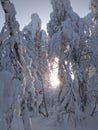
x,y
40,123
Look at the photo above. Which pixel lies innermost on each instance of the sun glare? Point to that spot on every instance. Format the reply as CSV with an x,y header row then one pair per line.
x,y
54,79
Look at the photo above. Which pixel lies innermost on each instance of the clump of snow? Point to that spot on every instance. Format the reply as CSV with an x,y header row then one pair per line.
x,y
33,28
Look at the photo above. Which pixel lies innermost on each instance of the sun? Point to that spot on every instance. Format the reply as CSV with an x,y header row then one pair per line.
x,y
54,78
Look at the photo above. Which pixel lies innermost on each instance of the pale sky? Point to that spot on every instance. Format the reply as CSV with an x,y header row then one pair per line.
x,y
25,8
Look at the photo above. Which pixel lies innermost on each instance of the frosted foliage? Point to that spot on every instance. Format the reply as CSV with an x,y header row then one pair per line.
x,y
43,36
94,8
33,28
60,6
88,21
9,9
67,28
61,11
11,24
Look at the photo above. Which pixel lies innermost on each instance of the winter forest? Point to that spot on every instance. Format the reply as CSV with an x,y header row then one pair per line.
x,y
49,81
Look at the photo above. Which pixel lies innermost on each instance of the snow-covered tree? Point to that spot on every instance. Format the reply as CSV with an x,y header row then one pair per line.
x,y
13,59
36,44
70,42
93,68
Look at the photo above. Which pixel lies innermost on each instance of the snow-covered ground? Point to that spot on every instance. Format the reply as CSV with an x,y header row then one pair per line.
x,y
39,123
